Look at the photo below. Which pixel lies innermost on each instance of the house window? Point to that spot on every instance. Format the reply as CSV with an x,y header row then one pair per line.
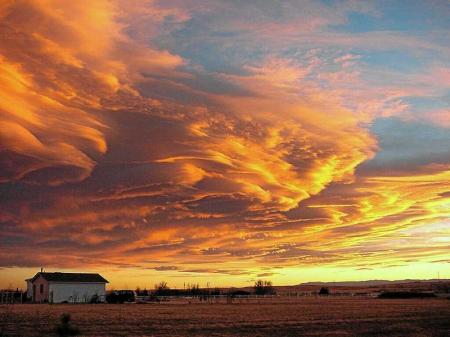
x,y
41,288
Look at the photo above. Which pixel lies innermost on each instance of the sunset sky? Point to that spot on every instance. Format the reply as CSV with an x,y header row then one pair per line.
x,y
225,141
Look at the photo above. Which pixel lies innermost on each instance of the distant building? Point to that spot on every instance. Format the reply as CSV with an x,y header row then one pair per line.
x,y
66,287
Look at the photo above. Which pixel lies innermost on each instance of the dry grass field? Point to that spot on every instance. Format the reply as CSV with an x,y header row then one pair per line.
x,y
269,317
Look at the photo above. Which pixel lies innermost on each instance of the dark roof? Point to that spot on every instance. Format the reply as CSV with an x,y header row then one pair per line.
x,y
70,277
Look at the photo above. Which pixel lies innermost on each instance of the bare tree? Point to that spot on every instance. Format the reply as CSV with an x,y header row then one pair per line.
x,y
162,288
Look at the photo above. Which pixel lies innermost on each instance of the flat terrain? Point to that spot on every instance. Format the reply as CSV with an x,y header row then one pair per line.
x,y
270,317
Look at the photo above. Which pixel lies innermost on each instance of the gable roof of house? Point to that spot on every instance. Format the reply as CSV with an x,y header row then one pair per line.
x,y
71,277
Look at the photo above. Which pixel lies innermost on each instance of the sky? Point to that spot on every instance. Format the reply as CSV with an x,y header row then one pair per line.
x,y
222,142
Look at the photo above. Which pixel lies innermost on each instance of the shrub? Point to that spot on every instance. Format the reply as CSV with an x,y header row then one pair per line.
x,y
264,288
120,296
65,328
324,291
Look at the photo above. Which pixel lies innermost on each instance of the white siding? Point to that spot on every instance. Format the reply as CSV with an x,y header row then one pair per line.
x,y
75,292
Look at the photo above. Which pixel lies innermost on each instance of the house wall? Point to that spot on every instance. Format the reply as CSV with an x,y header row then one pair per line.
x,y
75,292
29,289
39,296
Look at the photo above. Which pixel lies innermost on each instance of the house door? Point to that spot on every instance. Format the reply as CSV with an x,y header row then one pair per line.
x,y
34,292
50,298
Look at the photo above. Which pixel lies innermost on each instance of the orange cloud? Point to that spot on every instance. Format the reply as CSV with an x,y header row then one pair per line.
x,y
110,148
55,88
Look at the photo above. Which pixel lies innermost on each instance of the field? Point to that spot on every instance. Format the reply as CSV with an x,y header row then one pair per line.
x,y
270,317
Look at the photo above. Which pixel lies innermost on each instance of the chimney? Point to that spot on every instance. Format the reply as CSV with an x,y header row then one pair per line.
x,y
42,269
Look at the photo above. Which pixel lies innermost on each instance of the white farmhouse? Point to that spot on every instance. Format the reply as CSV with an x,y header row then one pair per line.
x,y
66,287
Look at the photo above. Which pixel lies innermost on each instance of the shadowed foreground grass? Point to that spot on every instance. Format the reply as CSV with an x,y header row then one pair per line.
x,y
302,317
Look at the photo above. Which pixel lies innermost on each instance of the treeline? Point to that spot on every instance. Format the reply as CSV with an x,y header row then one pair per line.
x,y
190,290
162,289
405,294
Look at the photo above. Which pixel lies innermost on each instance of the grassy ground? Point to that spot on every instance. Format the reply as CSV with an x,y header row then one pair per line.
x,y
299,317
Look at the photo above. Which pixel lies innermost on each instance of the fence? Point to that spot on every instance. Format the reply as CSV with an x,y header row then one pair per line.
x,y
11,297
